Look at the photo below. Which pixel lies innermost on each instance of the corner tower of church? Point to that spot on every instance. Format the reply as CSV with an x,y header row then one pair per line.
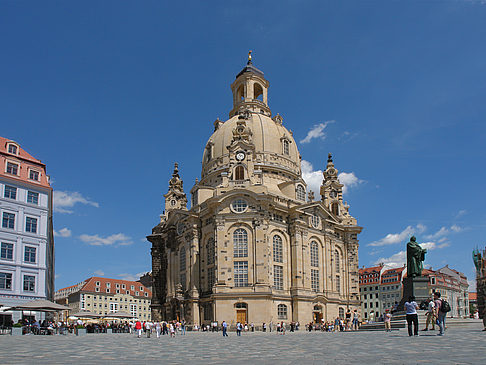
x,y
254,247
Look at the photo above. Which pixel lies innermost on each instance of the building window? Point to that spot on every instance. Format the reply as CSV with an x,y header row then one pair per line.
x,y
97,283
12,149
8,220
210,251
239,173
108,285
286,149
282,311
12,168
33,175
113,307
124,286
315,221
182,259
132,287
10,192
211,278
337,260
5,281
97,289
278,277
29,254
314,254
107,290
133,310
315,280
29,283
31,225
335,208
239,205
32,197
241,273
182,279
240,243
7,251
300,193
341,312
432,281
338,284
277,249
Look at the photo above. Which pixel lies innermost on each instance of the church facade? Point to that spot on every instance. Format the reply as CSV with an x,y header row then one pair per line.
x,y
255,246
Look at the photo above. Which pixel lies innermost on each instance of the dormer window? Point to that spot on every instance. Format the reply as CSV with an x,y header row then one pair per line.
x,y
300,193
239,173
12,168
285,147
33,175
13,149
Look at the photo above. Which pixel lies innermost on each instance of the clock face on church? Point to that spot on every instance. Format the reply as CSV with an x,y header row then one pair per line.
x,y
240,156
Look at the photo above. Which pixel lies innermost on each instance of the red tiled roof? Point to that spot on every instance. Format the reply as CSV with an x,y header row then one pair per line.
x,y
91,285
368,270
26,162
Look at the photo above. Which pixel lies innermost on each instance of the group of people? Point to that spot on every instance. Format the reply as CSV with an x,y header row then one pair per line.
x,y
436,314
160,328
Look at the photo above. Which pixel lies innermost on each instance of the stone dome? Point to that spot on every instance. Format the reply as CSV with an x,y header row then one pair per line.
x,y
268,136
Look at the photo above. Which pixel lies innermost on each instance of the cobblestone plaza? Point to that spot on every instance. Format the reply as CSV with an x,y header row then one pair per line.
x,y
460,345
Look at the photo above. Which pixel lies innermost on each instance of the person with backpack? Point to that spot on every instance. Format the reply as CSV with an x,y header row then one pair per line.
x,y
441,309
412,316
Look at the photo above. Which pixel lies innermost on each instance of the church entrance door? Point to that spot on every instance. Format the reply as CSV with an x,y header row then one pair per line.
x,y
241,315
317,317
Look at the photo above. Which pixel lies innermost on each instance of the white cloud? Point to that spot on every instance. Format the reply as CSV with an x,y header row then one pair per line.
x,y
66,199
317,131
461,213
349,180
63,232
131,277
118,239
313,178
99,273
403,236
444,231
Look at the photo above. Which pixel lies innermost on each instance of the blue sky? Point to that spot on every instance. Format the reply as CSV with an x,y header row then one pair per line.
x,y
110,94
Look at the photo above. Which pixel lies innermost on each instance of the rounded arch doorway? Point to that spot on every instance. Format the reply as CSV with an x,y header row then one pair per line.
x,y
241,312
317,314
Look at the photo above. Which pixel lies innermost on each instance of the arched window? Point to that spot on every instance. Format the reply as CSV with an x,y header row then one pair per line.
x,y
241,305
240,243
277,249
337,260
338,283
314,254
239,173
341,312
285,145
241,93
210,251
335,208
282,311
182,259
257,92
300,193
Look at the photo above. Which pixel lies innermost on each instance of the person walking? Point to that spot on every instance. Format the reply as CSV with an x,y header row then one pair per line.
x,y
355,320
224,327
348,320
239,327
440,315
172,329
412,316
430,315
387,319
183,327
158,329
138,328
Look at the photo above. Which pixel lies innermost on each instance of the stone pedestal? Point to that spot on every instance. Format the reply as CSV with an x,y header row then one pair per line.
x,y
418,287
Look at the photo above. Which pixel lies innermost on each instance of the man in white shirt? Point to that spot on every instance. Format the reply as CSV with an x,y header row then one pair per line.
x,y
430,315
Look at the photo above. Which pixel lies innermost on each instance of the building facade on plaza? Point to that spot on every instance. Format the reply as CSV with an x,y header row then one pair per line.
x,y
26,233
382,289
255,246
104,296
369,288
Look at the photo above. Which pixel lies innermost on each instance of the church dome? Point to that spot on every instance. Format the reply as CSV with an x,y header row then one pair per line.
x,y
274,145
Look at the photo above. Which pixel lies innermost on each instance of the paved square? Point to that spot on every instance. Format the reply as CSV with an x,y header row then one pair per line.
x,y
460,345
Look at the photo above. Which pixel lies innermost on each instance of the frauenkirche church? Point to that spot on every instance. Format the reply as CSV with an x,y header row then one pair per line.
x,y
255,246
